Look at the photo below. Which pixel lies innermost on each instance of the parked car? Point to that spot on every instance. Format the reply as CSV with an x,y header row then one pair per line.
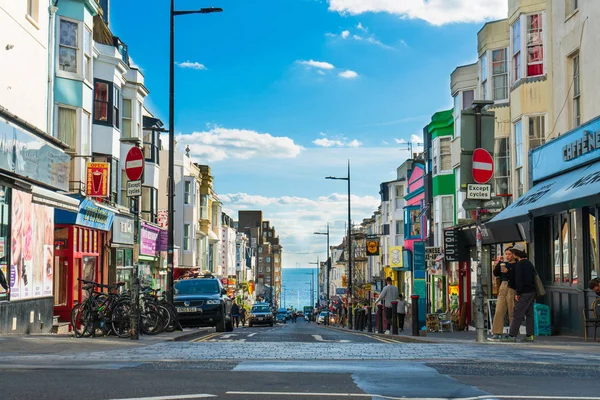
x,y
322,316
281,317
261,314
203,302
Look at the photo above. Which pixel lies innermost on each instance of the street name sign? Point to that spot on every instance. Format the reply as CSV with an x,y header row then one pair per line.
x,y
483,166
134,164
479,191
134,188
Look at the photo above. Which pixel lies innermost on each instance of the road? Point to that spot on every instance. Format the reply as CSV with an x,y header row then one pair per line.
x,y
292,361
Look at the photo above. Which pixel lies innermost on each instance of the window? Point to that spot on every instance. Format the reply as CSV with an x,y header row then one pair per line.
x,y
276,259
571,7
268,259
594,259
114,180
260,249
536,131
126,127
149,203
519,157
447,211
68,46
502,166
5,201
516,45
32,9
445,154
124,199
186,192
576,91
67,126
457,104
87,54
152,146
499,75
186,237
535,45
412,223
564,247
139,118
467,100
260,269
116,104
203,206
484,76
102,100
260,259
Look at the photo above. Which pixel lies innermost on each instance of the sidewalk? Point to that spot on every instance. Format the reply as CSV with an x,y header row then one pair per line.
x,y
67,343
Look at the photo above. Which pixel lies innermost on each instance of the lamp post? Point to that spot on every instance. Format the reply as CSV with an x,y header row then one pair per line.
x,y
327,268
349,247
171,184
312,282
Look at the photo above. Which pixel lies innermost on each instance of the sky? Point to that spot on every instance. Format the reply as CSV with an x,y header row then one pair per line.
x,y
278,94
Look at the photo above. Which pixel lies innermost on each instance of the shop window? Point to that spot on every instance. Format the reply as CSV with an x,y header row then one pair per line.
x,y
564,248
593,245
4,236
412,224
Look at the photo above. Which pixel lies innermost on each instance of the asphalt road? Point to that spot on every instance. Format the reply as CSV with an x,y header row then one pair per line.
x,y
292,361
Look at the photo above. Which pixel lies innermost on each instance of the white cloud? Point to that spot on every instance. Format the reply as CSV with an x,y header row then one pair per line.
x,y
336,142
348,74
435,12
400,141
320,72
360,27
355,143
191,65
220,143
317,64
345,34
416,138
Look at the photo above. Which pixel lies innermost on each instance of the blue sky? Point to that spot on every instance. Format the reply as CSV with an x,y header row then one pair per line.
x,y
275,95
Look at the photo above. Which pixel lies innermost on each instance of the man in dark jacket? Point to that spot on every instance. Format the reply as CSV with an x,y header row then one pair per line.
x,y
525,297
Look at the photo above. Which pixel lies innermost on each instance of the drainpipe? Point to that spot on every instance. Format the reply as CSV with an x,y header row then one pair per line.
x,y
51,44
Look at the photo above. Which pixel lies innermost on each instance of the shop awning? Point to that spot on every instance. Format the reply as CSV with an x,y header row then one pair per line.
x,y
54,199
577,188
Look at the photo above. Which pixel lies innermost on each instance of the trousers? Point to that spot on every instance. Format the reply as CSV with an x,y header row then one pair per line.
x,y
505,304
523,309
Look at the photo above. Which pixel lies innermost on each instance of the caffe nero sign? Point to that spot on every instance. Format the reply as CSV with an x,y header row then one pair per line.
x,y
30,156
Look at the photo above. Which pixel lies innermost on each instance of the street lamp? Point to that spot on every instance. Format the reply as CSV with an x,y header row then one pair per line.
x,y
171,180
312,282
327,267
349,247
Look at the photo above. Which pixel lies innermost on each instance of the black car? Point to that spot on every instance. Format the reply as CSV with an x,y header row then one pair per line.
x,y
203,302
261,314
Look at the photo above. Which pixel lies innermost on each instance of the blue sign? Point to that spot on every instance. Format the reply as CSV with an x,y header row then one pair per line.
x,y
419,254
30,156
90,215
341,291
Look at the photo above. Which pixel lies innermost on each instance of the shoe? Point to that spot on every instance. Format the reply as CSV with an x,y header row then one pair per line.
x,y
509,339
530,338
495,338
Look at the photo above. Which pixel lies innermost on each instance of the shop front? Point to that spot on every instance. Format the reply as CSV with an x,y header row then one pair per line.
x,y
560,216
79,240
152,261
28,162
121,249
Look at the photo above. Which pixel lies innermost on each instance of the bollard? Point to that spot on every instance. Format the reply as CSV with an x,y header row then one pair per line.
x,y
361,326
415,314
369,320
394,317
379,318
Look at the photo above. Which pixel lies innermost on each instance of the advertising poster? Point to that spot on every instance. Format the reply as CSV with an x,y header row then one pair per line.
x,y
31,260
4,269
97,179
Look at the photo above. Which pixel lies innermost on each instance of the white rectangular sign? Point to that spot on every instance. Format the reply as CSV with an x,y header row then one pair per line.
x,y
134,188
431,253
479,191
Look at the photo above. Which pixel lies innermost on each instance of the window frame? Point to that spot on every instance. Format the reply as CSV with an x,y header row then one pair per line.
x,y
484,74
575,61
499,75
519,164
78,73
186,237
540,33
516,37
187,192
108,102
409,212
127,120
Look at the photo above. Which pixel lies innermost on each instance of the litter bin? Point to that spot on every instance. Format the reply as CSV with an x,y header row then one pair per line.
x,y
541,320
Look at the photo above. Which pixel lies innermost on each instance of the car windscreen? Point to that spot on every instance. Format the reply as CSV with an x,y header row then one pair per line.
x,y
323,313
197,286
260,309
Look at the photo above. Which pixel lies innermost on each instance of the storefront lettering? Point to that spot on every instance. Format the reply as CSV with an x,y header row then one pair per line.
x,y
533,197
589,142
586,180
95,214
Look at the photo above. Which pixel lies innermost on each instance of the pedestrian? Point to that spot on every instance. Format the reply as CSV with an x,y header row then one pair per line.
x,y
387,295
235,313
505,270
595,286
3,282
525,295
401,312
243,315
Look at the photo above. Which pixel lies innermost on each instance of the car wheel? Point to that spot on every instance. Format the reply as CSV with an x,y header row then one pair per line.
x,y
220,327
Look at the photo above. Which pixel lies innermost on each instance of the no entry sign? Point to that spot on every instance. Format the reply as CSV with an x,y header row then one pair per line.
x,y
483,166
134,164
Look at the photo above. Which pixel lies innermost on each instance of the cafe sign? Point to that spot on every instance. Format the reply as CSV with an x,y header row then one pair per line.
x,y
588,142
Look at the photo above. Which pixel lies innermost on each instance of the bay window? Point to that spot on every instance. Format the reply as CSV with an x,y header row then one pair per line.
x,y
516,53
67,126
68,46
412,222
499,75
116,106
149,203
187,192
467,98
445,154
536,131
87,54
518,132
535,45
186,237
102,102
484,76
502,166
126,127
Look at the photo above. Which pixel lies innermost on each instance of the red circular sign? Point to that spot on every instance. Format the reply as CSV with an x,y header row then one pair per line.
x,y
134,164
483,166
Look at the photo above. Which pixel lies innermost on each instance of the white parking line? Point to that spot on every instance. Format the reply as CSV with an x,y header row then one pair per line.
x,y
174,397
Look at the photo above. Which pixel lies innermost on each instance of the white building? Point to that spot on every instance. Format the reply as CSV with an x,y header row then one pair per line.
x,y
228,256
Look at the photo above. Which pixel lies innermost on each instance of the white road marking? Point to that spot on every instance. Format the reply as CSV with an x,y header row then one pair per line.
x,y
319,338
252,334
228,340
378,396
227,336
174,397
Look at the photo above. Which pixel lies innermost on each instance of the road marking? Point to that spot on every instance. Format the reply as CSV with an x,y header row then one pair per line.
x,y
252,334
181,396
319,338
379,396
206,337
227,340
227,336
381,339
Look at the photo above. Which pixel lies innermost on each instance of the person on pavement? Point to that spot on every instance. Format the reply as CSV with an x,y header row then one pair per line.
x,y
525,296
401,312
3,282
243,315
388,294
505,270
235,313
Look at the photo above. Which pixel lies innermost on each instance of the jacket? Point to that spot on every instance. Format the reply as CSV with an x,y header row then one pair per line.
x,y
388,294
508,276
524,277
